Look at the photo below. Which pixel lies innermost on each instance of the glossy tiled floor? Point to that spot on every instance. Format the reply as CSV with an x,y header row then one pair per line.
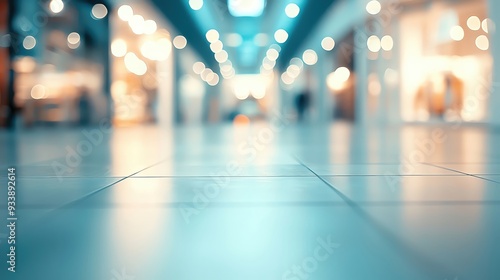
x,y
260,202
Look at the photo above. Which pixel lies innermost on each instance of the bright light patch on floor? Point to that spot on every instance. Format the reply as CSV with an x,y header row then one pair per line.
x,y
246,8
292,10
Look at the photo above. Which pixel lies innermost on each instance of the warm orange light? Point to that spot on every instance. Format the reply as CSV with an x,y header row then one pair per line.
x,y
241,120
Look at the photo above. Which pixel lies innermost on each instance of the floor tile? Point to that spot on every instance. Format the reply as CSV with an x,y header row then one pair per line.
x,y
232,168
402,169
416,189
475,168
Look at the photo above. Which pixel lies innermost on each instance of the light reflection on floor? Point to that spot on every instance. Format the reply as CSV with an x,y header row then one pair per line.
x,y
256,202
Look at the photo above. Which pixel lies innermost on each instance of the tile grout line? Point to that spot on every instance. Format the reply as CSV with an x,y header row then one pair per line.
x,y
461,172
280,204
389,236
75,201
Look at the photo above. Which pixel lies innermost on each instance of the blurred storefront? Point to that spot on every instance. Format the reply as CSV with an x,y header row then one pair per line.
x,y
400,62
142,65
60,74
446,63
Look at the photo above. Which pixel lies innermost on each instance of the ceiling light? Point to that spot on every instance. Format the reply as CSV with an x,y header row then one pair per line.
x,y
246,8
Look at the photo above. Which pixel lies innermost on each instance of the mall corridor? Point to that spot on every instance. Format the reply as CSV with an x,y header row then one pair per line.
x,y
249,139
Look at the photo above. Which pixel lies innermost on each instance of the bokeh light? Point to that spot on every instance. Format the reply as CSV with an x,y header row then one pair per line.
x,y
373,7
119,47
99,11
328,43
373,44
180,42
310,57
29,42
457,33
280,36
125,12
292,10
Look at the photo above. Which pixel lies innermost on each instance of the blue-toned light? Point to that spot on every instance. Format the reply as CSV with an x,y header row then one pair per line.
x,y
246,8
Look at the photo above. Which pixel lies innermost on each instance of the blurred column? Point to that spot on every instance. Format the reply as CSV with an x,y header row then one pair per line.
x,y
389,100
361,70
165,109
178,73
205,103
494,102
322,98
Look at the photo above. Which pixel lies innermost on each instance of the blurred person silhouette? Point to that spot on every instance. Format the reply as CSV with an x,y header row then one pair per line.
x,y
84,106
303,99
